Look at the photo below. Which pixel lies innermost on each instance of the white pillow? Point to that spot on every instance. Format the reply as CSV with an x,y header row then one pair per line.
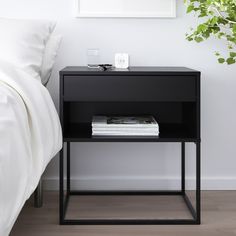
x,y
23,42
49,58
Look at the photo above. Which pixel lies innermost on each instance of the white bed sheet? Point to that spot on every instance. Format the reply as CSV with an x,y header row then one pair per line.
x,y
30,136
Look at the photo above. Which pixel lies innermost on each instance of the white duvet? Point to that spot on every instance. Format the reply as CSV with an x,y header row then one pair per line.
x,y
30,136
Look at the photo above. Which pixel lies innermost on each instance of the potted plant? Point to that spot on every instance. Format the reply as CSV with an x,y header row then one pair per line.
x,y
219,19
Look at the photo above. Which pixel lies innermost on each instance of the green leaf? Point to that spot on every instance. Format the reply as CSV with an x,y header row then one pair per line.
x,y
202,27
220,34
230,61
190,8
198,39
234,28
221,60
214,20
232,54
206,34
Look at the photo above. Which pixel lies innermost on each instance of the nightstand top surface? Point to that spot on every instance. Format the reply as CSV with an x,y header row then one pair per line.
x,y
131,70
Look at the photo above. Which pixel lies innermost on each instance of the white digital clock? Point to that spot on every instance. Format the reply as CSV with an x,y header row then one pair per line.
x,y
122,61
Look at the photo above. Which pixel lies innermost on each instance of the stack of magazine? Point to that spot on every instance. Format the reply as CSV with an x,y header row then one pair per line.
x,y
124,126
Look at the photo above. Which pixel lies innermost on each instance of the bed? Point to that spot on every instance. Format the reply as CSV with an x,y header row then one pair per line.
x,y
30,131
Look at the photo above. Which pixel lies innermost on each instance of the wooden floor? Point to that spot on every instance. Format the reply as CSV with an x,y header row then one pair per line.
x,y
218,217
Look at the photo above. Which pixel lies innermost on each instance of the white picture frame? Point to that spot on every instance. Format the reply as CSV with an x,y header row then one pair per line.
x,y
126,8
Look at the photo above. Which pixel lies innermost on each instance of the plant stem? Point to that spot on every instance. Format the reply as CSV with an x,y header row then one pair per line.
x,y
220,14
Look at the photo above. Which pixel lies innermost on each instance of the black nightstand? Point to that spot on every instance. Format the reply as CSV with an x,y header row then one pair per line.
x,y
170,94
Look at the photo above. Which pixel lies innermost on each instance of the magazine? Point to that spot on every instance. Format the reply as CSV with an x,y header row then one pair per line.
x,y
131,129
125,126
125,134
124,121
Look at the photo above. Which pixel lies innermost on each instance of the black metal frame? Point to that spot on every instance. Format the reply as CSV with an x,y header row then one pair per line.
x,y
195,212
38,195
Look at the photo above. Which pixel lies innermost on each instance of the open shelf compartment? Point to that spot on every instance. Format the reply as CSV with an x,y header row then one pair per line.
x,y
176,120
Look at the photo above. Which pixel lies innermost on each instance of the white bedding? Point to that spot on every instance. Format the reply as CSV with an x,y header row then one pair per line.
x,y
30,136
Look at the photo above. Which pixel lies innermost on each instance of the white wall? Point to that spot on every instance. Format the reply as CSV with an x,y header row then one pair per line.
x,y
150,42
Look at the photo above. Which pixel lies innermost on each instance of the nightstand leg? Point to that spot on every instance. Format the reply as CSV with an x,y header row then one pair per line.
x,y
38,195
61,193
183,167
68,167
198,182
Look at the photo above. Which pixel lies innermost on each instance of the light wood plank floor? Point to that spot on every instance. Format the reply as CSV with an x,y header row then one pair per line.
x,y
218,218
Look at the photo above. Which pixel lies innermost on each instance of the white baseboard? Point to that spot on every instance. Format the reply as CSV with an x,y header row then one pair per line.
x,y
142,183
